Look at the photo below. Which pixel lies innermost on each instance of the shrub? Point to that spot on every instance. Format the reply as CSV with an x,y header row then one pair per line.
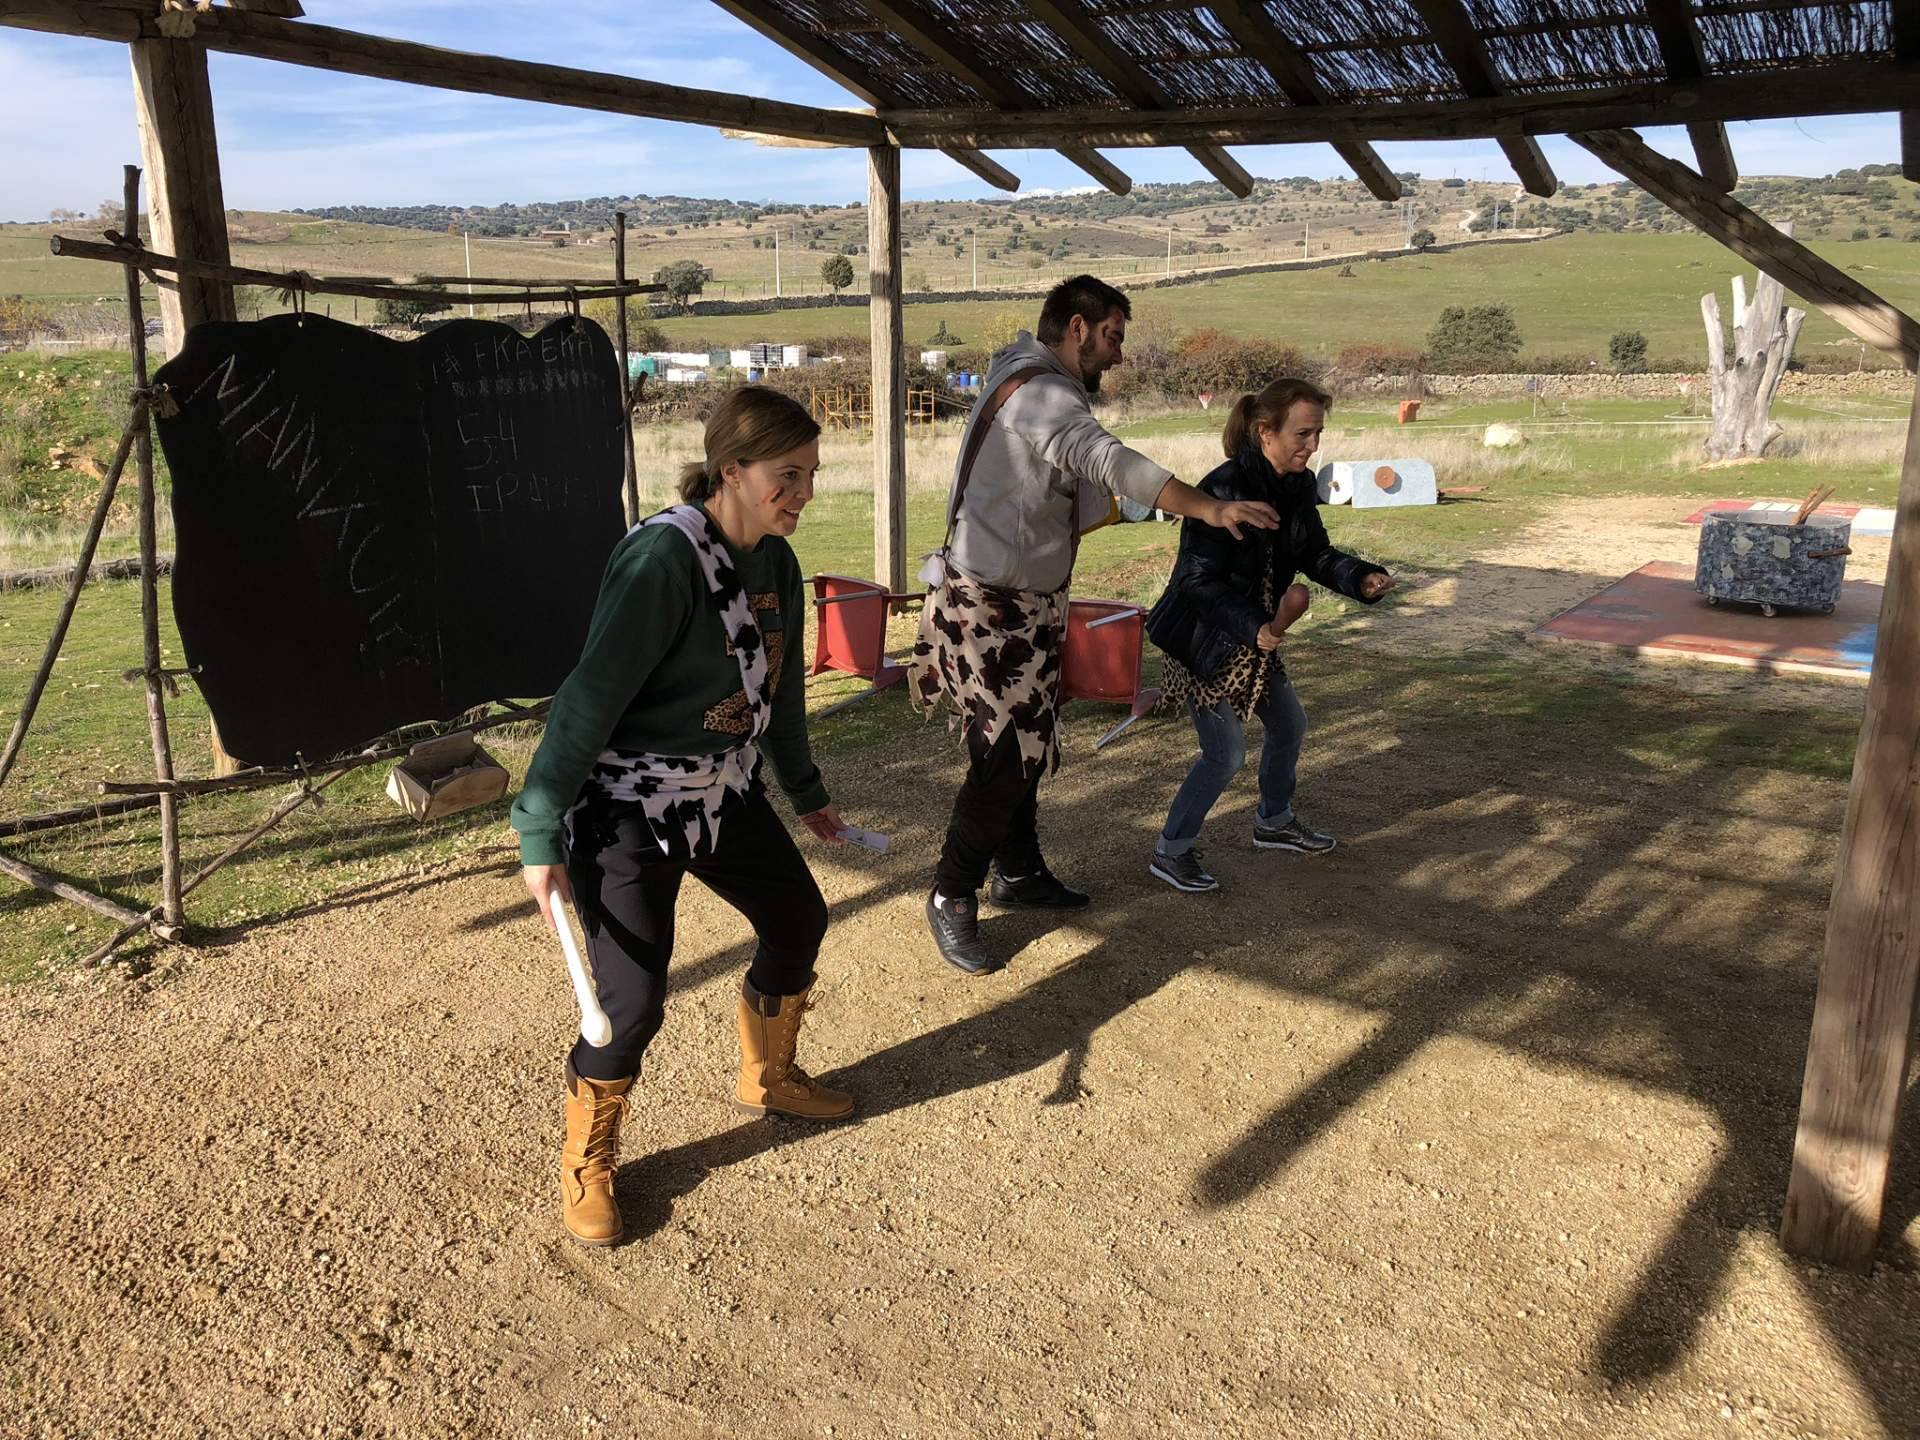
x,y
1424,239
1358,361
404,312
1627,352
1478,337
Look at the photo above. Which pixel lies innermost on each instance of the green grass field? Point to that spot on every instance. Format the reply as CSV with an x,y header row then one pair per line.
x,y
1569,293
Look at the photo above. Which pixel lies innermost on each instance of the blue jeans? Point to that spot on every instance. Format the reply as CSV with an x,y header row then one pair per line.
x,y
1223,749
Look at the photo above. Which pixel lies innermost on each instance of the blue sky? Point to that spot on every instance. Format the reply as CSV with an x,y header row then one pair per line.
x,y
291,137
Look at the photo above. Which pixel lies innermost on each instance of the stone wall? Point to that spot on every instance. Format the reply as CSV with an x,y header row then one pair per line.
x,y
1643,387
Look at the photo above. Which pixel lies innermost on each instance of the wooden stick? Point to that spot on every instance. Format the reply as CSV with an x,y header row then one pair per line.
x,y
1863,1009
149,587
261,776
60,819
108,484
626,377
54,885
594,283
127,253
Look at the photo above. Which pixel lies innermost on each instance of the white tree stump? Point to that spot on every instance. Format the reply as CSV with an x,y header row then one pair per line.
x,y
1764,333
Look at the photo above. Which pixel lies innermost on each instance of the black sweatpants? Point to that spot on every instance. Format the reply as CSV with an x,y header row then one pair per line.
x,y
995,817
625,892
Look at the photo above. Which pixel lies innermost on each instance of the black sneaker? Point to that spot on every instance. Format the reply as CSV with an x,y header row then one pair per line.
x,y
1291,836
1183,872
1040,888
956,930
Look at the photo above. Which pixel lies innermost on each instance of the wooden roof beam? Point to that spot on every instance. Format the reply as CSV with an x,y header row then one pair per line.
x,y
1070,21
1453,32
1264,41
952,54
849,74
1685,59
1906,46
1854,87
1850,304
322,47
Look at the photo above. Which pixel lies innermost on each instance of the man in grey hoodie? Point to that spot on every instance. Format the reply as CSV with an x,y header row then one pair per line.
x,y
1035,466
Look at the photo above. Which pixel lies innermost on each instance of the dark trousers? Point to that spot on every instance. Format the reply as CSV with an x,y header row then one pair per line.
x,y
625,894
995,818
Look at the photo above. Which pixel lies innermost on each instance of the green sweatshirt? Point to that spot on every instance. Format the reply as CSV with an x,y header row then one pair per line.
x,y
657,676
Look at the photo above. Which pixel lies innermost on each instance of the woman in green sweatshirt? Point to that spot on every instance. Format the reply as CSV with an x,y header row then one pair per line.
x,y
693,672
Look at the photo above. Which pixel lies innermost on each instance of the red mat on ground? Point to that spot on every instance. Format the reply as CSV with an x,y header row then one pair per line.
x,y
1656,611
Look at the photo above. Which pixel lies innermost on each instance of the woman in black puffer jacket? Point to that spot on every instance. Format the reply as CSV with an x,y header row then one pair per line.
x,y
1225,608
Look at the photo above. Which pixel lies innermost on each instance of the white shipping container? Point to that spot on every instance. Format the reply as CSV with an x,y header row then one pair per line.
x,y
793,355
740,359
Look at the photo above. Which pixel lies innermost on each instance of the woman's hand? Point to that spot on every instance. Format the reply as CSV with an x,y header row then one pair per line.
x,y
1230,515
542,880
1376,584
1267,639
826,824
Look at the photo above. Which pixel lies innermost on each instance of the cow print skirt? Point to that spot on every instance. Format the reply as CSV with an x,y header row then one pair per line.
x,y
991,658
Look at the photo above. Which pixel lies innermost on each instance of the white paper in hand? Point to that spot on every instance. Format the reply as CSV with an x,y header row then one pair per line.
x,y
595,1028
872,839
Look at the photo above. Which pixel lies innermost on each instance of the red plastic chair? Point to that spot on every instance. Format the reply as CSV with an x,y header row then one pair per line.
x,y
1102,656
850,633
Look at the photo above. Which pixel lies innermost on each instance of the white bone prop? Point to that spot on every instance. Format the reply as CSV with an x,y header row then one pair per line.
x,y
595,1028
872,839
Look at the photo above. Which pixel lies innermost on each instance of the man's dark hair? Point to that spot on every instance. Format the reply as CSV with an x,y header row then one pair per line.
x,y
1087,296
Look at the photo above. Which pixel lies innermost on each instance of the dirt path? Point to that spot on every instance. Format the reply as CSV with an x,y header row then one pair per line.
x,y
1476,1127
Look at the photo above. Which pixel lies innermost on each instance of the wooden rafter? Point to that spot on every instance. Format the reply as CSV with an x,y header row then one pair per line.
x,y
1264,41
1453,33
1906,47
1844,88
1680,48
1070,21
955,56
850,74
322,47
1850,304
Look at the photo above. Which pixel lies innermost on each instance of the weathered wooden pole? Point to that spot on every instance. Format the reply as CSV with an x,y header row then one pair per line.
x,y
173,104
150,594
626,377
83,566
889,368
1863,1011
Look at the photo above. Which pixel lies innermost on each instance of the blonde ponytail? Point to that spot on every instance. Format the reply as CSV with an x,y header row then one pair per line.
x,y
694,484
1239,425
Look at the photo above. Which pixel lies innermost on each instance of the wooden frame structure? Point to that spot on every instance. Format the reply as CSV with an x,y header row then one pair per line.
x,y
961,76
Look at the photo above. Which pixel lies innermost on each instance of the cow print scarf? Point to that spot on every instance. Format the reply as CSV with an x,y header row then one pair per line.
x,y
682,796
991,657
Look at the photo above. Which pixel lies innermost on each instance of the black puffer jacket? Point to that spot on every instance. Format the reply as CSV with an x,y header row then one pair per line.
x,y
1212,600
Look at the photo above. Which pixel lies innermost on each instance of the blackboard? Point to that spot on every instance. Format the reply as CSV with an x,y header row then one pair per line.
x,y
372,532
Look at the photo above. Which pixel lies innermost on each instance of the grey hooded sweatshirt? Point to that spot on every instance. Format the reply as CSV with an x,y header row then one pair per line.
x,y
1015,527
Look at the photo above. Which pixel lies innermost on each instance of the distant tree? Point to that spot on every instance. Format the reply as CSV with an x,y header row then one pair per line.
x,y
1484,336
1002,330
1423,239
1627,352
837,272
112,214
1453,182
944,336
405,313
682,280
1859,233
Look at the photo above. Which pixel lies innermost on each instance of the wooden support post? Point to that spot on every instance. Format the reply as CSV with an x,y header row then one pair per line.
x,y
173,104
1863,1011
632,490
889,368
1849,303
149,591
82,568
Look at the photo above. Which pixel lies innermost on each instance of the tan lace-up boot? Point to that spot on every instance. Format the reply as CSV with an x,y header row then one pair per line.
x,y
769,1078
587,1161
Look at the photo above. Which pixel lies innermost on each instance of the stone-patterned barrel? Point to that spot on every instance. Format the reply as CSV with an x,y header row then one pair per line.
x,y
1762,558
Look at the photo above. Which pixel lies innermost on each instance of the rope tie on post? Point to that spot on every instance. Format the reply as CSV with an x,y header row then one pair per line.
x,y
573,303
157,398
